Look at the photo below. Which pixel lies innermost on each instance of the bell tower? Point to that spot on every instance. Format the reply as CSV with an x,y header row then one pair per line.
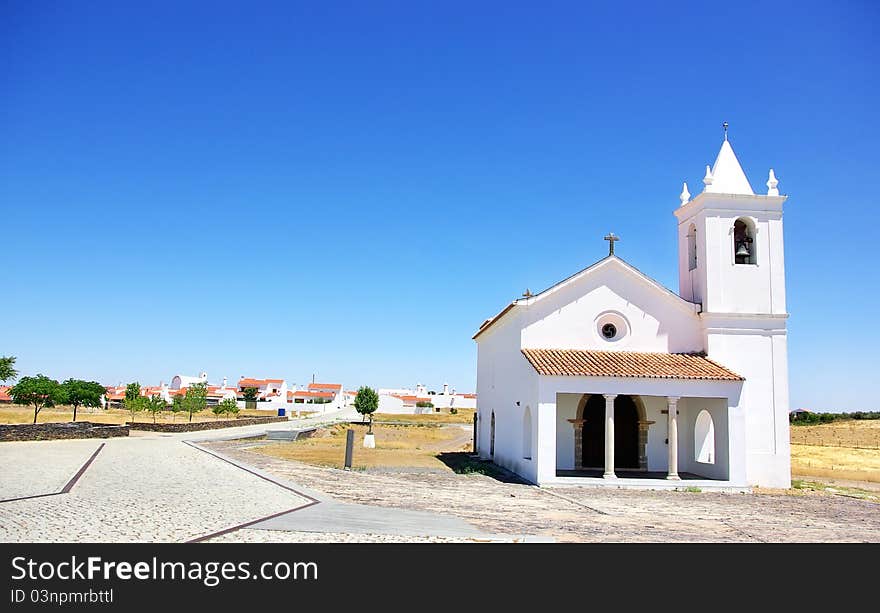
x,y
731,262
730,255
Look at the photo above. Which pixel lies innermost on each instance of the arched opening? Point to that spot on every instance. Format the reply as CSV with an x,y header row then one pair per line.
x,y
704,438
692,247
628,445
527,434
744,242
492,436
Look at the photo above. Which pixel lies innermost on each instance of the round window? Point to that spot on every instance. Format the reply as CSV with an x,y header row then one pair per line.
x,y
609,331
611,327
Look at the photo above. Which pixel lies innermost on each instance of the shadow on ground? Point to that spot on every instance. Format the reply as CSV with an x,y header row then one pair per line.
x,y
465,463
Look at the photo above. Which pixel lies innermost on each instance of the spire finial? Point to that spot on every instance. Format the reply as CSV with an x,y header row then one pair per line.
x,y
772,182
725,125
611,238
685,194
707,180
527,293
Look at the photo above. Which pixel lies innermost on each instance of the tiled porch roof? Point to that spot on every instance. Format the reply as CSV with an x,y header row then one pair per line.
x,y
584,363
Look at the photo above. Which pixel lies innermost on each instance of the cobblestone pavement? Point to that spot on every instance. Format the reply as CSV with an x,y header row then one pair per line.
x,y
142,489
589,514
247,535
50,471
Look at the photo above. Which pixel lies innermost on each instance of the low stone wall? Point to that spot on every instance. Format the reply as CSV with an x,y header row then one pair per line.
x,y
64,430
185,426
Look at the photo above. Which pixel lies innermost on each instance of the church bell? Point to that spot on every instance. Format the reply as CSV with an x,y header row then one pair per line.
x,y
742,250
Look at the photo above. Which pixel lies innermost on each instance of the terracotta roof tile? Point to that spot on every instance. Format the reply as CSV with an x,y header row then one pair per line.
x,y
307,394
584,363
325,386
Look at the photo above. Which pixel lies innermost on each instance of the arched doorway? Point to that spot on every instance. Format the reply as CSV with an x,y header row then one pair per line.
x,y
628,444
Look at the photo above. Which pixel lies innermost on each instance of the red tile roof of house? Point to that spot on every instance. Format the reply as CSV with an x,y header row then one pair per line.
x,y
247,382
578,362
412,398
307,394
325,386
4,393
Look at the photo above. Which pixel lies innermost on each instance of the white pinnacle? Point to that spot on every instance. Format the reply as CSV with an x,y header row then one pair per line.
x,y
685,194
771,184
707,180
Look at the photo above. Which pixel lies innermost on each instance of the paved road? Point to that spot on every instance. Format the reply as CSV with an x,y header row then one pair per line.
x,y
155,487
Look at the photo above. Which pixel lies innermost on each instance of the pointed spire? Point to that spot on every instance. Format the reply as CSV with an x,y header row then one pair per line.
x,y
685,194
772,182
727,175
707,180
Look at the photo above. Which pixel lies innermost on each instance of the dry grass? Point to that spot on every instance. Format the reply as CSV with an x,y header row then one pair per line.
x,y
837,462
464,416
858,433
17,414
396,447
839,450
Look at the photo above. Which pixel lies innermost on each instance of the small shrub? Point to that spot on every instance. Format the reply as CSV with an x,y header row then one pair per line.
x,y
453,411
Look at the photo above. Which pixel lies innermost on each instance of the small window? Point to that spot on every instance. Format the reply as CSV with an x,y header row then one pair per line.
x,y
692,247
704,438
527,434
492,436
743,243
609,331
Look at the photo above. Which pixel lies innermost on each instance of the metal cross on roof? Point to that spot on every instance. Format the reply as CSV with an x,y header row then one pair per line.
x,y
725,125
611,238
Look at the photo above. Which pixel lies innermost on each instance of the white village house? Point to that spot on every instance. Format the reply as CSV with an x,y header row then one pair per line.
x,y
608,378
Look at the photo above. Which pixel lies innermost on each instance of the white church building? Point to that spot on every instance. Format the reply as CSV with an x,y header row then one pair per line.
x,y
609,378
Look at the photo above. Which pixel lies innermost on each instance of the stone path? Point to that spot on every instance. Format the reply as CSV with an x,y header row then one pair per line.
x,y
168,487
138,489
590,514
157,487
44,472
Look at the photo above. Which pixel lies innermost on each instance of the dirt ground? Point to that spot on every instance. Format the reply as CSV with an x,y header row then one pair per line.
x,y
414,446
501,504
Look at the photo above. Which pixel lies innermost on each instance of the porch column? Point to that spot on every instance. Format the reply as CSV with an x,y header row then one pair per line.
x,y
672,406
609,436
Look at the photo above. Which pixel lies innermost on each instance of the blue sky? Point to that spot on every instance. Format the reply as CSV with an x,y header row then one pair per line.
x,y
349,188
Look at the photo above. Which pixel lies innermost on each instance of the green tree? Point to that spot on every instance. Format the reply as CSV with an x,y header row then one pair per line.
x,y
39,391
228,406
79,393
155,404
7,372
250,397
366,402
177,406
134,402
196,398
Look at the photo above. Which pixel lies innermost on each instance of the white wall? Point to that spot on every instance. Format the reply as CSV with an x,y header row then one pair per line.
x,y
658,432
392,405
688,409
566,408
445,401
504,377
567,318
